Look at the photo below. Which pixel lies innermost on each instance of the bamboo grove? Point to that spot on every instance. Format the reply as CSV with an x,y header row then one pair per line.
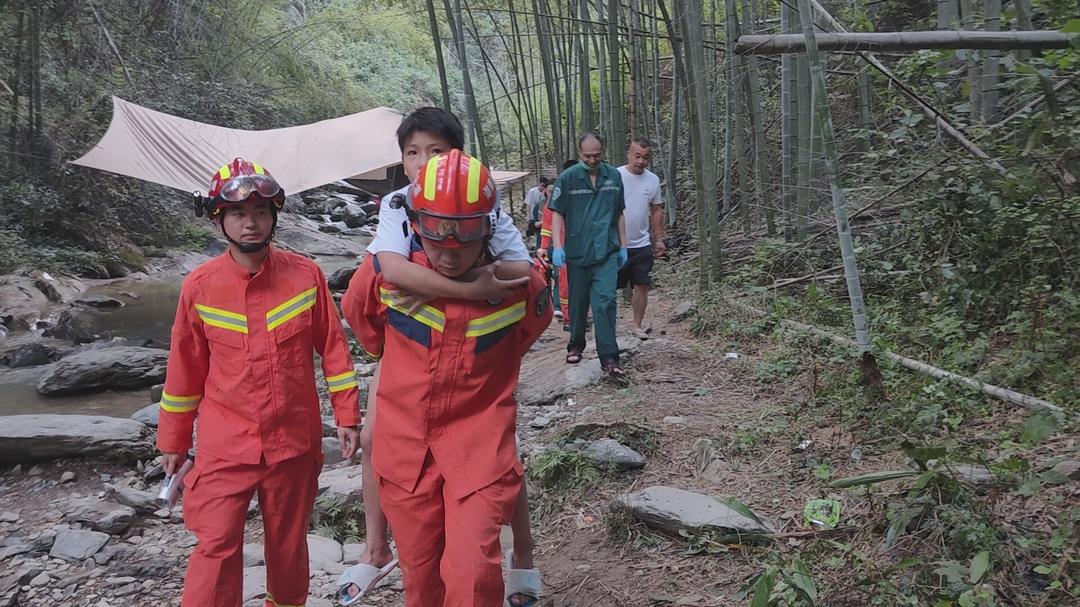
x,y
747,131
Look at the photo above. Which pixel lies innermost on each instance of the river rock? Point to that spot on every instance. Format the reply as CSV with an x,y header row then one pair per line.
x,y
99,515
254,582
72,326
709,461
30,355
115,367
610,452
339,280
329,426
683,311
1062,472
77,544
253,555
351,552
331,448
155,392
39,541
148,415
25,438
342,482
99,301
9,517
298,233
322,550
142,501
670,509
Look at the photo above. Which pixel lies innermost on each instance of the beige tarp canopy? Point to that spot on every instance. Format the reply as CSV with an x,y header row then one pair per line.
x,y
507,178
183,154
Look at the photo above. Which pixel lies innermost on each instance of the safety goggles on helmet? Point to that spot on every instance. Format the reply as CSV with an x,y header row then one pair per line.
x,y
239,189
445,229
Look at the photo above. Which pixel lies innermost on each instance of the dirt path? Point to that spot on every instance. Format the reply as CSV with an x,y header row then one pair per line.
x,y
590,556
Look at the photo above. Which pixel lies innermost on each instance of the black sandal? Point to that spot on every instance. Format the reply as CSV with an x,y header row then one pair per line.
x,y
573,357
612,368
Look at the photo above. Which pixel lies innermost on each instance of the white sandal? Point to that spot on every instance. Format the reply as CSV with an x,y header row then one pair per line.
x,y
363,576
525,582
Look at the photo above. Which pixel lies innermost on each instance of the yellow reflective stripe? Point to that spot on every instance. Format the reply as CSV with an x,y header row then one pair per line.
x,y
224,173
344,381
545,232
472,192
270,599
428,315
258,168
371,355
179,404
494,322
223,319
290,309
429,178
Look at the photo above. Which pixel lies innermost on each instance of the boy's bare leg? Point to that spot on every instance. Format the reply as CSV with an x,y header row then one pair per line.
x,y
377,547
523,541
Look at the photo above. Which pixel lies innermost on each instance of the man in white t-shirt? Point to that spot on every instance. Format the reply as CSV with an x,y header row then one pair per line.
x,y
535,200
644,211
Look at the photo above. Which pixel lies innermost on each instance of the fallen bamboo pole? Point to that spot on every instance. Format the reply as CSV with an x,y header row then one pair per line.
x,y
1009,396
904,41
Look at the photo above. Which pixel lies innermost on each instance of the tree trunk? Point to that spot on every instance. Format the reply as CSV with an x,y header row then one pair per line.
x,y
472,118
865,110
789,81
993,61
587,123
618,128
16,85
491,91
757,126
823,118
444,86
974,70
710,261
543,33
907,41
805,146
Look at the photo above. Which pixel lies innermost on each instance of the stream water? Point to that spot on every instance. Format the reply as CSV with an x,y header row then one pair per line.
x,y
150,304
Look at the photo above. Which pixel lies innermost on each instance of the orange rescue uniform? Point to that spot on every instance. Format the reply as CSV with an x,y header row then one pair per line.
x,y
241,361
444,448
564,282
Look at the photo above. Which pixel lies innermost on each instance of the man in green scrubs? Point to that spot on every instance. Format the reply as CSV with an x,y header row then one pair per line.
x,y
588,200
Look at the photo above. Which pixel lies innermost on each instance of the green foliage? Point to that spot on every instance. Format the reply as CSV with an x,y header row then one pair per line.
x,y
562,469
338,518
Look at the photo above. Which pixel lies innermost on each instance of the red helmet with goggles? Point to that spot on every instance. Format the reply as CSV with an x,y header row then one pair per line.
x,y
237,182
452,199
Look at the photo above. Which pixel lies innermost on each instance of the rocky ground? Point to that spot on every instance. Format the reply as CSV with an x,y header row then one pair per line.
x,y
630,487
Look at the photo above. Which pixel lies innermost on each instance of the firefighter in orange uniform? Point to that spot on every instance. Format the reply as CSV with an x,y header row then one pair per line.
x,y
444,447
542,253
241,361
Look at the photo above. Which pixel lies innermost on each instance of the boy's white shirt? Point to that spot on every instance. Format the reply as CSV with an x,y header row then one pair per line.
x,y
506,242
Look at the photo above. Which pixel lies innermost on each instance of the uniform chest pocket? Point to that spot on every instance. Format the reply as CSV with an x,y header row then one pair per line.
x,y
226,345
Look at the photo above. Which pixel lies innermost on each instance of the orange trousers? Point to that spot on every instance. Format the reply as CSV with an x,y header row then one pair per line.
x,y
449,549
215,510
564,294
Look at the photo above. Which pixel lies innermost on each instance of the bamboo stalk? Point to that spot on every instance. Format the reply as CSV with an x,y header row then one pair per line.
x,y
843,229
757,125
433,23
993,60
790,127
618,133
906,41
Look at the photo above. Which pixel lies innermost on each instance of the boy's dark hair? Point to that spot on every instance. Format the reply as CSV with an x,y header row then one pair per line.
x,y
433,120
569,163
545,181
641,141
587,136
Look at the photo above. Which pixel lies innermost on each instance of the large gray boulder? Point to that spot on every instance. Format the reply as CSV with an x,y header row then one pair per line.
x,y
77,544
148,415
26,438
323,551
116,367
671,510
610,452
30,355
145,502
100,515
73,326
345,483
